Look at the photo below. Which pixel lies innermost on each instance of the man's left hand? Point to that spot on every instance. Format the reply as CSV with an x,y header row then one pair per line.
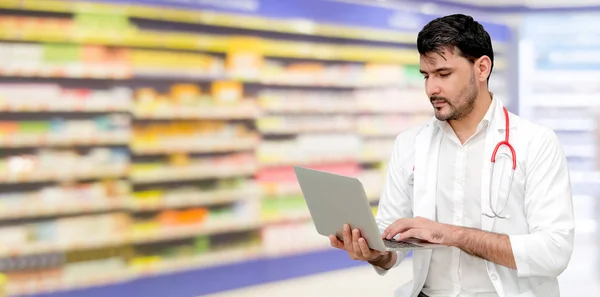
x,y
419,228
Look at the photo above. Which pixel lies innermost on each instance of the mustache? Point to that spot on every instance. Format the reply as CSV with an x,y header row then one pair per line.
x,y
434,99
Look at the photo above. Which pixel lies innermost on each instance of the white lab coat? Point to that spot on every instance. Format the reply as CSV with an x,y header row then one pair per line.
x,y
541,226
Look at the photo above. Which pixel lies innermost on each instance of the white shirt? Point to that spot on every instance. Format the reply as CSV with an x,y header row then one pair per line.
x,y
453,272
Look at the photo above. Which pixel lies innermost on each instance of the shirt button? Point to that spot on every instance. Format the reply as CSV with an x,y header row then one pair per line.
x,y
494,277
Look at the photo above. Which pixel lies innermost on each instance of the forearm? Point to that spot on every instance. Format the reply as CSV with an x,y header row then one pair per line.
x,y
386,261
493,247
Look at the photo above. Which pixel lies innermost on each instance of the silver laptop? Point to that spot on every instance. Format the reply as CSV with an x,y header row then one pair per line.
x,y
334,200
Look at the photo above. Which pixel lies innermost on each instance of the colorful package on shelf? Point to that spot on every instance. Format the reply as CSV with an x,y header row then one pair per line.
x,y
388,125
295,101
47,97
393,100
73,230
173,218
48,163
281,239
164,63
110,128
309,149
64,198
21,58
296,124
193,167
188,134
382,74
286,173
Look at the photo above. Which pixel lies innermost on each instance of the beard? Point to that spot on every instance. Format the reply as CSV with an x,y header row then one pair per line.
x,y
456,111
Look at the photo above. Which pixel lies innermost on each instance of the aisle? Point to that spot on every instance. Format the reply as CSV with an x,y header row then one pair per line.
x,y
353,282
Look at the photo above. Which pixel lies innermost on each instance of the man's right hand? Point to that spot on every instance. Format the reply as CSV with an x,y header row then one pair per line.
x,y
358,249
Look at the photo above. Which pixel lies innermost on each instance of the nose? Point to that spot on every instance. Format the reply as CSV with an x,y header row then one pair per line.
x,y
432,88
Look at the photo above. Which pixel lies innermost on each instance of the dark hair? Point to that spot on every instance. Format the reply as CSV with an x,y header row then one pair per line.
x,y
457,31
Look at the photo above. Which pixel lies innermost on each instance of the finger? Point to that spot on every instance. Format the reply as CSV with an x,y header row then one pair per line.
x,y
336,243
396,229
347,238
355,245
364,248
414,233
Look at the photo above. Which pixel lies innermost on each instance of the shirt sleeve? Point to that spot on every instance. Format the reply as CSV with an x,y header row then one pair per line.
x,y
395,201
547,249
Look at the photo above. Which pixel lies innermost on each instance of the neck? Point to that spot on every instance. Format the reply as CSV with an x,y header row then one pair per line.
x,y
466,127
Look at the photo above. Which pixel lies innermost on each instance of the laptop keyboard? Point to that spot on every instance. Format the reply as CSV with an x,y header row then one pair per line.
x,y
399,244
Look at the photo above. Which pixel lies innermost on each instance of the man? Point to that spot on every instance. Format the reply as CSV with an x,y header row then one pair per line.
x,y
512,239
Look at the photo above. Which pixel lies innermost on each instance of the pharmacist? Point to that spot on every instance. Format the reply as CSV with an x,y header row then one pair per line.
x,y
491,186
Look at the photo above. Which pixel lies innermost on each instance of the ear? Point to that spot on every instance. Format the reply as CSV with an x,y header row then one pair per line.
x,y
483,68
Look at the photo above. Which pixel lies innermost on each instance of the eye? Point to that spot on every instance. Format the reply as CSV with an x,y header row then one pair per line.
x,y
425,77
444,74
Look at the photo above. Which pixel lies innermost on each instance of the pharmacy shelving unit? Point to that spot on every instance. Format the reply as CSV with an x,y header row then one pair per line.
x,y
155,143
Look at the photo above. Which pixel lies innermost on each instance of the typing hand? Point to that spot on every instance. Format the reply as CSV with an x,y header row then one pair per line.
x,y
419,228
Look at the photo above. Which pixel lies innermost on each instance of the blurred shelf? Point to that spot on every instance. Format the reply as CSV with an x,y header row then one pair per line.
x,y
288,108
576,100
65,174
207,260
569,125
31,31
216,19
63,72
183,173
227,225
379,134
585,177
95,139
135,237
314,82
162,74
582,151
70,107
307,130
238,111
286,217
36,210
198,145
53,247
277,161
178,200
373,158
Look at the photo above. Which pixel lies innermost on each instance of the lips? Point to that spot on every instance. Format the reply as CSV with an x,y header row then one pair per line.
x,y
439,103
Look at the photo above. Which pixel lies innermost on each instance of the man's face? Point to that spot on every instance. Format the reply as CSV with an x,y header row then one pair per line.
x,y
450,84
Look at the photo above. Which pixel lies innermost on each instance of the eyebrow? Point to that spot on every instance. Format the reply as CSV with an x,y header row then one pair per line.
x,y
436,70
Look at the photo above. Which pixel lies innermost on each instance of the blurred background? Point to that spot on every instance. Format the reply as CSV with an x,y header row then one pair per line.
x,y
146,145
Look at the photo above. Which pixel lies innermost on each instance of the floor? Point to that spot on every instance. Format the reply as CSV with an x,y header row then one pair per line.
x,y
582,277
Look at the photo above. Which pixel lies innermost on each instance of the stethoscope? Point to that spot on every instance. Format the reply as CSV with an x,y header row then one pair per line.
x,y
513,156
495,213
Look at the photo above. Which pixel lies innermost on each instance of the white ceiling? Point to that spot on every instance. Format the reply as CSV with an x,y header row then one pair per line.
x,y
530,3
